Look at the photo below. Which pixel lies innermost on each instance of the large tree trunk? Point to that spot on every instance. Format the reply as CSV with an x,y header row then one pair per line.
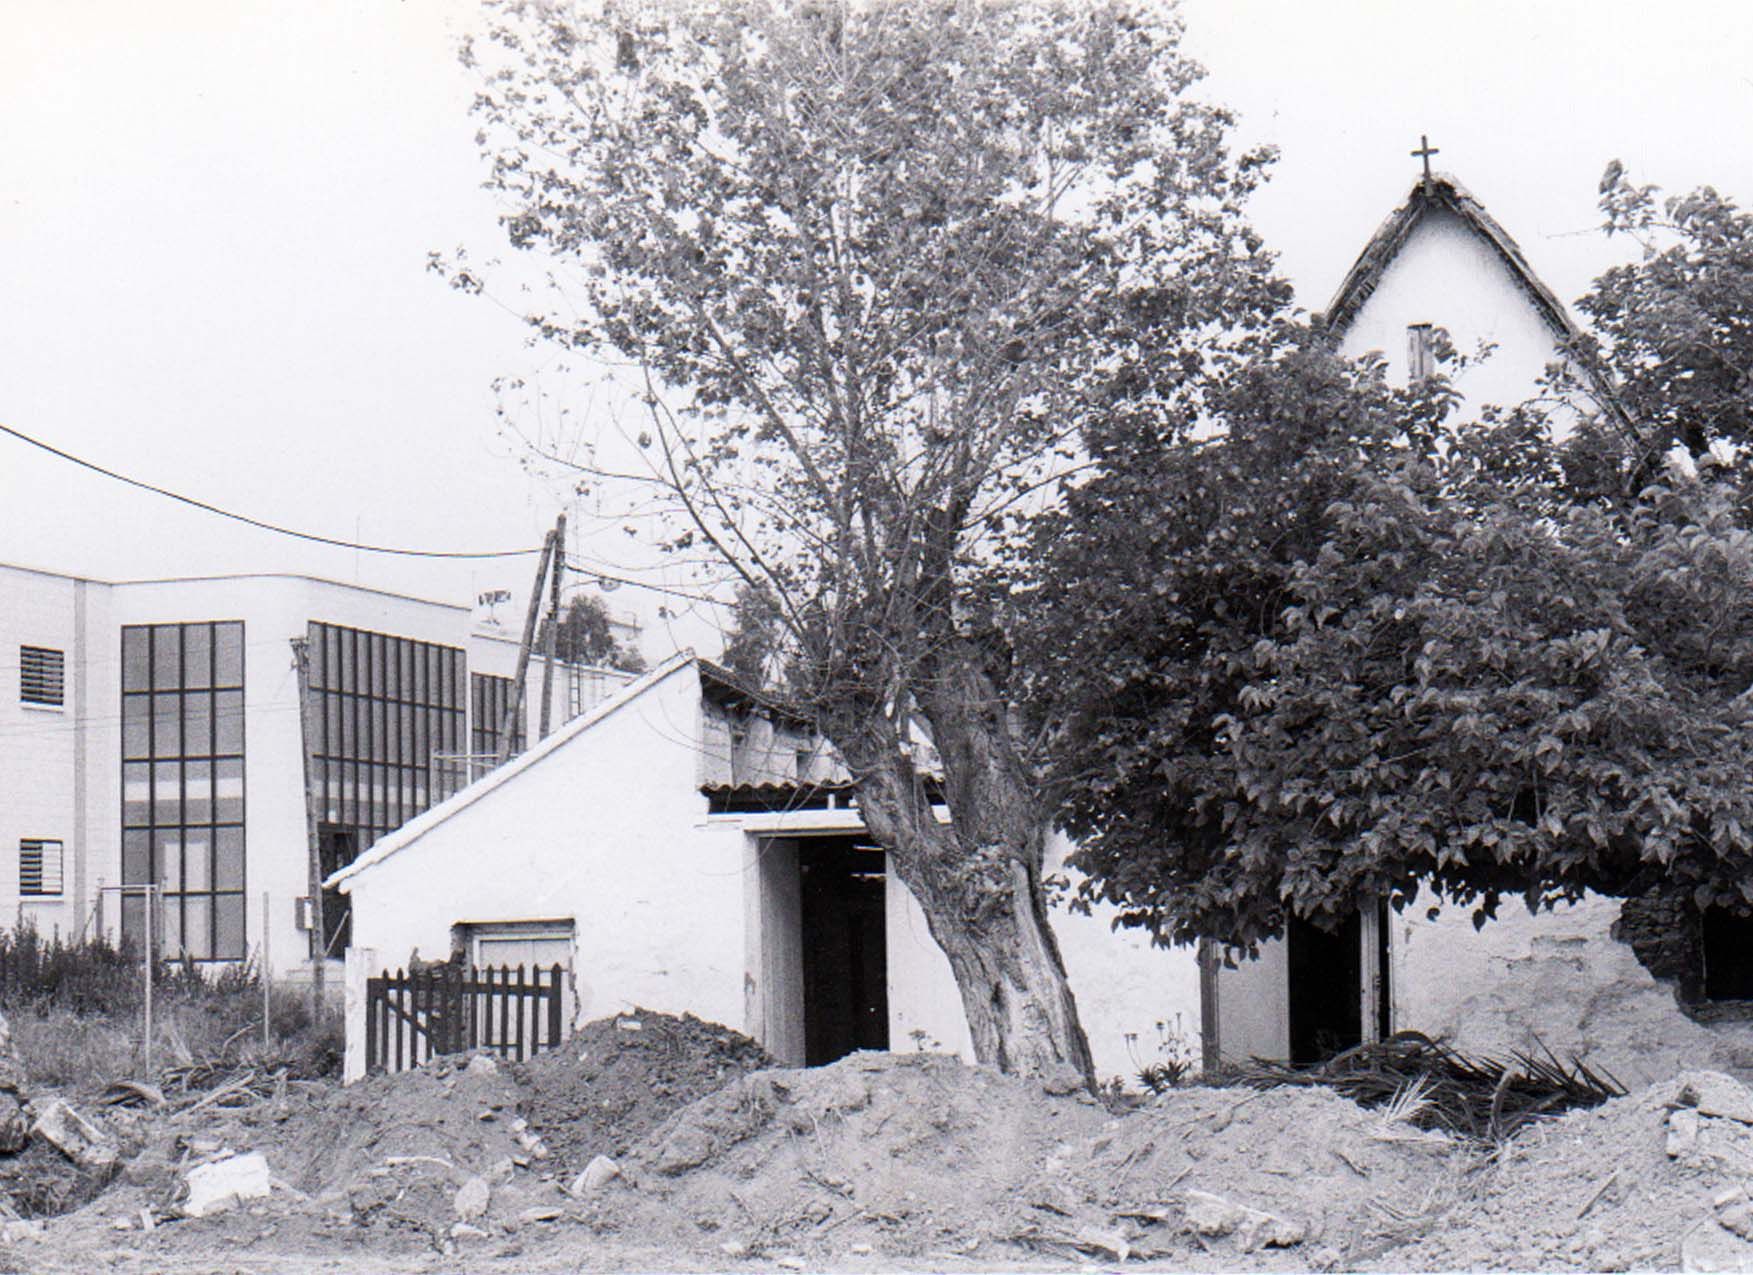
x,y
978,879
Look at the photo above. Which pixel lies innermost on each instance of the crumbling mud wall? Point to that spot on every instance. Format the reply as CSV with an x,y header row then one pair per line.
x,y
1559,979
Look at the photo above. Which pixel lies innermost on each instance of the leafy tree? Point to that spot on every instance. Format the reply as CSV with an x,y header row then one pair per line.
x,y
586,635
1346,651
876,263
756,637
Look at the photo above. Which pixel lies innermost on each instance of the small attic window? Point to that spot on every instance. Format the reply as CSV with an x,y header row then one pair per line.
x,y
1420,352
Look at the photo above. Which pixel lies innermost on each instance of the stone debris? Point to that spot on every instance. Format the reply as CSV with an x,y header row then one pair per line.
x,y
539,1213
482,1065
76,1138
467,1231
16,1230
472,1198
1734,1212
597,1174
1715,1094
216,1186
1682,1131
1214,1216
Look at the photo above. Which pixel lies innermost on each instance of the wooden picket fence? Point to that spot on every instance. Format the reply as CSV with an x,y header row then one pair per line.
x,y
414,1016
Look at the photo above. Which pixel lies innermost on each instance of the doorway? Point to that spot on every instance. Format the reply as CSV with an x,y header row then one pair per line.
x,y
845,976
1328,989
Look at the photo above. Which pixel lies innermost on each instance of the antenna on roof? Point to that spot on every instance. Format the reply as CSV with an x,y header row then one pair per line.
x,y
1425,151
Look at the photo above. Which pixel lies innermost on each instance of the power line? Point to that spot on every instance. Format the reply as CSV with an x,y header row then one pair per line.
x,y
583,569
255,522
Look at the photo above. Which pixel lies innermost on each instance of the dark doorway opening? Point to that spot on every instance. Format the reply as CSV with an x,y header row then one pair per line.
x,y
1728,956
1327,986
845,950
336,848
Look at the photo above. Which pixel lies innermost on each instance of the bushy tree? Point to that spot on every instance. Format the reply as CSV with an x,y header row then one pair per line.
x,y
1346,651
876,263
586,635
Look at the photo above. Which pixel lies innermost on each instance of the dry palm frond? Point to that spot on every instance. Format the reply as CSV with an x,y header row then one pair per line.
x,y
1477,1097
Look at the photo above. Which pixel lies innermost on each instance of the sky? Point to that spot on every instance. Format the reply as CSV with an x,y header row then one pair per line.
x,y
215,217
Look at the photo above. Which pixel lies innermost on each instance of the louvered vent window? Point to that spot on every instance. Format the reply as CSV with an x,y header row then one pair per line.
x,y
39,868
41,676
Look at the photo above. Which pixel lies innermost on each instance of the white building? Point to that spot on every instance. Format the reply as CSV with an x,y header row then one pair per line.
x,y
1563,979
152,736
686,848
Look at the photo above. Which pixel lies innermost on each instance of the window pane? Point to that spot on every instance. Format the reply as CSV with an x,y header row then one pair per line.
x,y
198,723
197,918
169,926
166,656
377,669
331,741
318,651
228,654
166,794
229,920
198,792
228,864
197,655
392,682
136,864
133,921
228,722
167,740
198,860
136,794
228,791
136,660
136,726
379,749
170,860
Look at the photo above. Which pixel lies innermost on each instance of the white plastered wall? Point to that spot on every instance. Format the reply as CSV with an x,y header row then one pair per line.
x,y
1445,275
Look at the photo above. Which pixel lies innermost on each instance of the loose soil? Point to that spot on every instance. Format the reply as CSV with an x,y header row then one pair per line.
x,y
881,1162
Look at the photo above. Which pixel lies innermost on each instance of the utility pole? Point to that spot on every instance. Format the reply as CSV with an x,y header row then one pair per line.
x,y
307,732
514,706
548,648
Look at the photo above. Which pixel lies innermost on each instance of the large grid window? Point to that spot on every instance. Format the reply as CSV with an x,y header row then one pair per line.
x,y
39,869
42,676
384,706
488,696
182,786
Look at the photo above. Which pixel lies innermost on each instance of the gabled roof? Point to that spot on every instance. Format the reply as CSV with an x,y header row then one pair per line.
x,y
1440,192
423,823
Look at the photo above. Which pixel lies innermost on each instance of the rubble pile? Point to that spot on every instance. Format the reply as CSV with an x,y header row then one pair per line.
x,y
620,1077
1657,1180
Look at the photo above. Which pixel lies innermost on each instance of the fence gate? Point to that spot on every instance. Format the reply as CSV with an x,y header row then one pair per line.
x,y
411,1017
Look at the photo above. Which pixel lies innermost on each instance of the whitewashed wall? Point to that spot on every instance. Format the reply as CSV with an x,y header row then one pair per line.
x,y
1446,276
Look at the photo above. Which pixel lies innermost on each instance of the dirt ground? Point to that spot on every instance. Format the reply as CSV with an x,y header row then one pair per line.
x,y
892,1161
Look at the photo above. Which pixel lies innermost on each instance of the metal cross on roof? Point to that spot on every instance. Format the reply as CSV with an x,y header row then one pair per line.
x,y
1425,151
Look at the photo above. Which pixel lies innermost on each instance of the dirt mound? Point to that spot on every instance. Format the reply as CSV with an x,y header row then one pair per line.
x,y
913,1153
618,1078
1621,1187
910,1156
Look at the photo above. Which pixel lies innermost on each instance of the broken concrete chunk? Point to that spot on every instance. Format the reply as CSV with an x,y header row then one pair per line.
x,y
472,1198
734,1248
217,1186
76,1138
482,1065
1715,1094
1715,1250
596,1175
1210,1214
1215,1216
466,1231
1095,1237
1682,1131
538,1213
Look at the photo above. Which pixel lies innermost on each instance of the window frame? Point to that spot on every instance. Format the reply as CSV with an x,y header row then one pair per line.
x,y
41,847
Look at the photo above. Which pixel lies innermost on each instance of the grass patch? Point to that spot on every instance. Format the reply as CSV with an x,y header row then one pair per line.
x,y
76,1013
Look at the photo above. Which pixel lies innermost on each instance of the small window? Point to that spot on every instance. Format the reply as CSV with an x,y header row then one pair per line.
x,y
39,868
41,676
1420,352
